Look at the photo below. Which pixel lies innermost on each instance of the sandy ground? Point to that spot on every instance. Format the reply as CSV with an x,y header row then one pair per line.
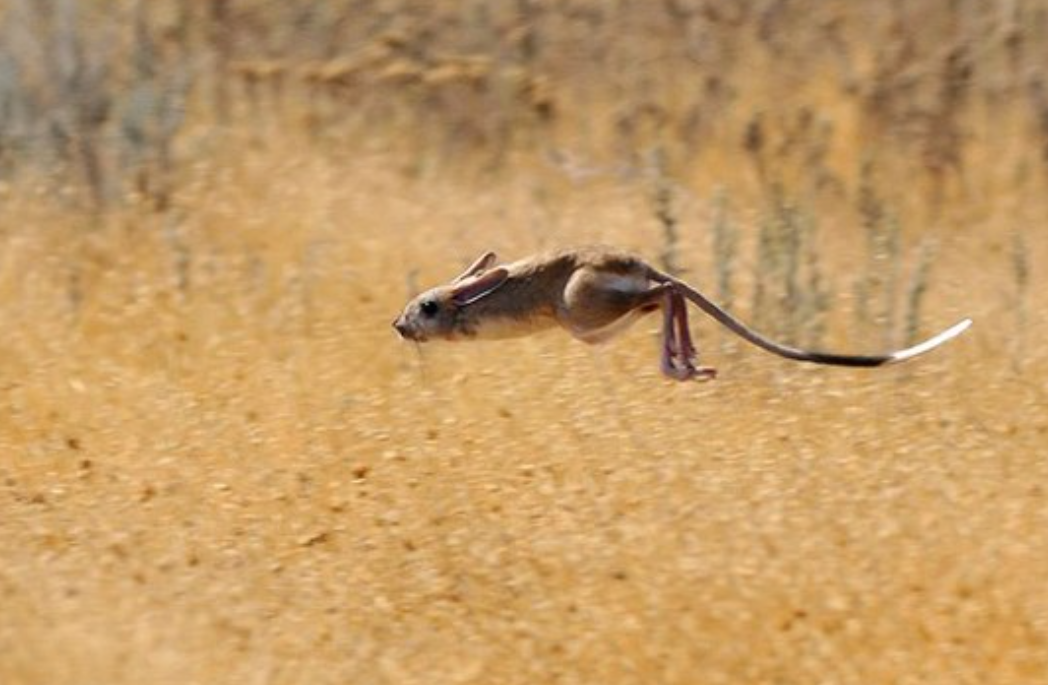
x,y
247,479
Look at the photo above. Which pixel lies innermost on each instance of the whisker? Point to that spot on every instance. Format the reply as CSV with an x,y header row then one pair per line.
x,y
421,363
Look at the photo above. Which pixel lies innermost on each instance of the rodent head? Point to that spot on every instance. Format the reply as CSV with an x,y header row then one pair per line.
x,y
430,315
440,312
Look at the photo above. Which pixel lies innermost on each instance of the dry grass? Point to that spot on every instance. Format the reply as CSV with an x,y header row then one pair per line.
x,y
221,467
217,464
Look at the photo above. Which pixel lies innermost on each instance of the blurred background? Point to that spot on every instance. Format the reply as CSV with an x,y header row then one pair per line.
x,y
766,135
220,465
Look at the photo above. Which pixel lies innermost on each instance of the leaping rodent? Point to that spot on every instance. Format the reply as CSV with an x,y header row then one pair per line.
x,y
595,293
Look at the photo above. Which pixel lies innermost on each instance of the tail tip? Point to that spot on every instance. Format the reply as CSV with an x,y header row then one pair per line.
x,y
933,342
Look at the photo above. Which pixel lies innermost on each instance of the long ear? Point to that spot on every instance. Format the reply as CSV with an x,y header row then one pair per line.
x,y
480,287
482,262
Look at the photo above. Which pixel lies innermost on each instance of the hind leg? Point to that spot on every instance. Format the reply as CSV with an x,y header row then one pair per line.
x,y
669,360
688,353
678,349
598,306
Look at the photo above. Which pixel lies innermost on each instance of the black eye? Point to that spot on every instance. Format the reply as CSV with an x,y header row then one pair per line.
x,y
429,308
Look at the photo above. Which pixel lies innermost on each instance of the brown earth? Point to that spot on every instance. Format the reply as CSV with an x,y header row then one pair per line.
x,y
219,465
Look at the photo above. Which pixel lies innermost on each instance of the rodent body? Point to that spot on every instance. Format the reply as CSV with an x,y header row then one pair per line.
x,y
591,293
594,293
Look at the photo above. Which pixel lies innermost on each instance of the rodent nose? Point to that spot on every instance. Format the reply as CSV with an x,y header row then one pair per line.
x,y
401,327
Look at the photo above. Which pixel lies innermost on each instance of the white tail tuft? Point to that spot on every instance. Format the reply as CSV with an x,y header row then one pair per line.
x,y
931,343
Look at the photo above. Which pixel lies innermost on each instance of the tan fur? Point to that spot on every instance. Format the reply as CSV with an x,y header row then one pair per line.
x,y
594,293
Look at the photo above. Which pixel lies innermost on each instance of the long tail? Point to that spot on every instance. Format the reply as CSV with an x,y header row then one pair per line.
x,y
743,331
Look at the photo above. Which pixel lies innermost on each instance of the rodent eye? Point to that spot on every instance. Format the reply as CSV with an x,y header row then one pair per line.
x,y
429,308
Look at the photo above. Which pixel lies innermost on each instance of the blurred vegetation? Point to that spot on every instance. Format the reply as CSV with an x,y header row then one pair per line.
x,y
817,106
803,95
799,110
